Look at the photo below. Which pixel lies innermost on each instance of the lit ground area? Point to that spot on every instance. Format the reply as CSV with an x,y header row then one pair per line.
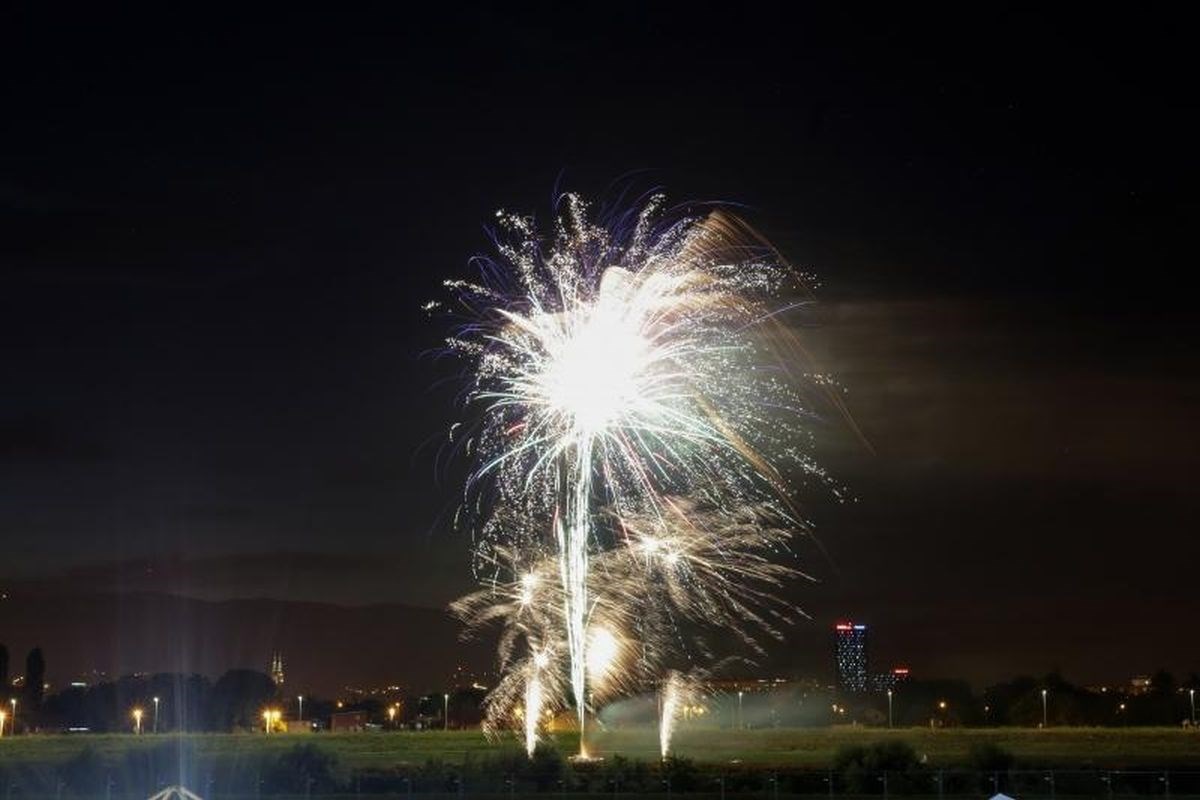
x,y
807,748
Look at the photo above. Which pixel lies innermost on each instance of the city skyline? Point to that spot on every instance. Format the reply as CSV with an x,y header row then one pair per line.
x,y
336,665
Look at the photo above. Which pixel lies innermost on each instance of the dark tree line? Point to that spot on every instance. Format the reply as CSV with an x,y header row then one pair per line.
x,y
32,687
185,703
193,702
235,701
35,679
1019,702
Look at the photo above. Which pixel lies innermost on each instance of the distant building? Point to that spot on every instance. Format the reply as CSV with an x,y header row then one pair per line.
x,y
277,669
885,681
465,677
1140,684
348,721
850,654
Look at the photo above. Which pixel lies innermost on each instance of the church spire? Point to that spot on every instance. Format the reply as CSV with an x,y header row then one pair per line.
x,y
277,669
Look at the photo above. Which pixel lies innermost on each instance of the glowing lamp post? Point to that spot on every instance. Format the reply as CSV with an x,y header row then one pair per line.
x,y
137,721
392,715
1192,699
300,713
156,715
1044,717
13,702
889,708
741,719
446,712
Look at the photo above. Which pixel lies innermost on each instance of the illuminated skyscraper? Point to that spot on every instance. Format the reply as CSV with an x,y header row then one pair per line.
x,y
850,650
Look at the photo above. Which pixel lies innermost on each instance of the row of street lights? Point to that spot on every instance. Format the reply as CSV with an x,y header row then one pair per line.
x,y
272,717
1045,706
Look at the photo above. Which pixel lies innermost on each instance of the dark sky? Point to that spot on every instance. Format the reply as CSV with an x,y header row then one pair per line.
x,y
218,230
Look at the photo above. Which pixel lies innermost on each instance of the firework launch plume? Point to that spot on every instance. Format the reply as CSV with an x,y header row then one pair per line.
x,y
641,408
679,692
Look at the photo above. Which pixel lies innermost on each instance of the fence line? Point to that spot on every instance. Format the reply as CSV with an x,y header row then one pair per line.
x,y
642,784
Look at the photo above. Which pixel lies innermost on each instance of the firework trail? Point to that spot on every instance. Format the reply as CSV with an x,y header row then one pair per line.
x,y
680,694
659,591
640,415
533,700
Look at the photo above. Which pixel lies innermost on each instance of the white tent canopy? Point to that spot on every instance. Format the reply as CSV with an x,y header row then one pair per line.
x,y
176,793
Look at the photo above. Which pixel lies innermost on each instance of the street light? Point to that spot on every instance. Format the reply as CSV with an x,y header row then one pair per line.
x,y
300,700
1044,708
940,717
446,712
392,715
1192,698
137,721
13,702
889,708
741,719
156,715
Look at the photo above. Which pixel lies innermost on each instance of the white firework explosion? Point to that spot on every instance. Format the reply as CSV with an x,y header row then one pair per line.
x,y
642,408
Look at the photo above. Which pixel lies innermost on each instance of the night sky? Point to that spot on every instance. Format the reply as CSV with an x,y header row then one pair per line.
x,y
218,230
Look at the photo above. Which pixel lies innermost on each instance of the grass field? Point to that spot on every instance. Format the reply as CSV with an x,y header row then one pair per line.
x,y
1113,748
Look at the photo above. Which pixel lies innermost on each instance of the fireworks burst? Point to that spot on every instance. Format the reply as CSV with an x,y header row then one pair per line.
x,y
679,692
640,414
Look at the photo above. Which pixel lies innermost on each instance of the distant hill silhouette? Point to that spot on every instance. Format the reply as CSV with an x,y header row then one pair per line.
x,y
325,646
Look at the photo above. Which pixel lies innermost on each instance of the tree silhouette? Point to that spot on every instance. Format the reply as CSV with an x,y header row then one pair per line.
x,y
1163,683
239,697
35,678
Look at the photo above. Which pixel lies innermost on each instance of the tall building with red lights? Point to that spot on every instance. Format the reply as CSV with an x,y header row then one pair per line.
x,y
850,652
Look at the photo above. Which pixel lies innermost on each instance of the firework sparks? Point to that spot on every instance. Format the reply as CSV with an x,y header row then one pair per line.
x,y
533,698
677,693
638,407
